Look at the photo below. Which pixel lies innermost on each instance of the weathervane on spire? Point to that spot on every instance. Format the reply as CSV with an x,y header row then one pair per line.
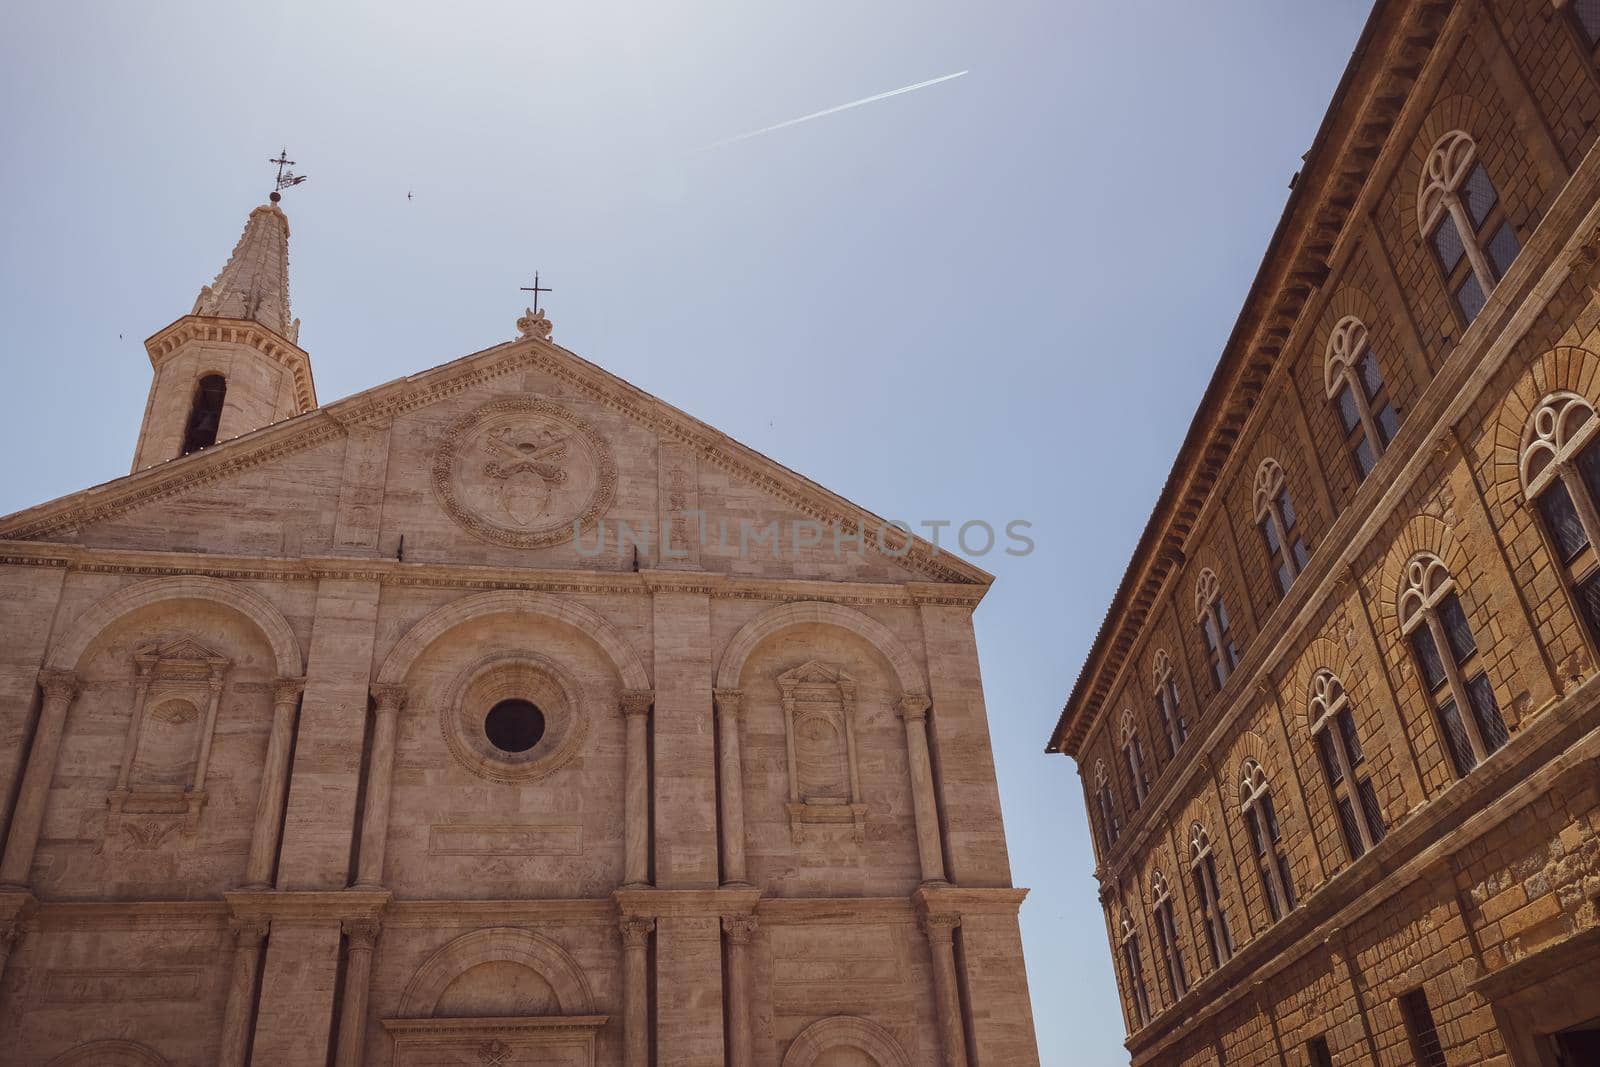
x,y
287,178
533,323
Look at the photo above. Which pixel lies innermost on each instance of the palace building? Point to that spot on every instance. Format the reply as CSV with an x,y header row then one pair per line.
x,y
432,726
1339,733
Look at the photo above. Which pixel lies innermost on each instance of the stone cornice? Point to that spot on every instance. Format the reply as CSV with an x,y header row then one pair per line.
x,y
331,905
452,1029
477,913
384,403
166,342
693,903
449,575
779,911
130,914
963,900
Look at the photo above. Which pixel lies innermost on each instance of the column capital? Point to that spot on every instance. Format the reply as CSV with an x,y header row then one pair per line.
x,y
389,697
363,933
739,928
636,930
914,706
730,702
636,702
59,685
285,690
249,933
940,926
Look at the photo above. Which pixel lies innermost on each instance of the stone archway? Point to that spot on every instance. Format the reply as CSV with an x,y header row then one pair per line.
x,y
784,616
524,948
821,1043
109,1053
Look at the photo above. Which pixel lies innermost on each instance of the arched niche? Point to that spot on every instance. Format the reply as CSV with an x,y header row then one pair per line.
x,y
777,619
845,1041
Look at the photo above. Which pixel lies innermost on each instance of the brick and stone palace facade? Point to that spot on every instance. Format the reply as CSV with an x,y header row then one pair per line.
x,y
462,721
1338,734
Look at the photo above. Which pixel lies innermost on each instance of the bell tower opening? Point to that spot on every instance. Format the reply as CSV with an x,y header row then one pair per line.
x,y
205,414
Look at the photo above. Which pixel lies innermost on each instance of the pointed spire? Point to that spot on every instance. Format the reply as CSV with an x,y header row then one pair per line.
x,y
255,282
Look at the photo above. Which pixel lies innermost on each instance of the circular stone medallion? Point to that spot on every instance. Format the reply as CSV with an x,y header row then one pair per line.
x,y
521,471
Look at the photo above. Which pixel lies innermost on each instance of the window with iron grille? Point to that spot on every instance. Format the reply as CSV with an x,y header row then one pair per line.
x,y
1203,868
1169,708
1360,396
1167,937
1134,968
1279,525
1464,222
1222,655
1417,1017
1560,468
1452,671
1266,839
1344,770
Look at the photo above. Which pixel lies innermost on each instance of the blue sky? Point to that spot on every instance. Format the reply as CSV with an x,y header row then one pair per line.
x,y
998,297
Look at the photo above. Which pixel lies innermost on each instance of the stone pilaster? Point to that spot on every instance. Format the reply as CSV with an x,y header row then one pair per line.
x,y
739,930
390,699
60,689
248,934
274,784
685,778
940,927
635,705
361,937
914,710
730,794
636,990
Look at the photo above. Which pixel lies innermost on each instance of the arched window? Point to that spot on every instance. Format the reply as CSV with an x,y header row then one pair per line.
x,y
205,414
1167,936
1255,801
1168,707
1447,657
1133,752
1110,828
1344,770
1212,615
1203,866
1462,219
1355,384
1280,530
1135,970
1560,465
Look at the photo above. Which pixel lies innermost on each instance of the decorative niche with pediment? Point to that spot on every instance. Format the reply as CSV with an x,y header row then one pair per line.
x,y
819,725
161,780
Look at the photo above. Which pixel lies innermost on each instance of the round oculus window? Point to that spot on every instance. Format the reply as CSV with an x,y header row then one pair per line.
x,y
514,725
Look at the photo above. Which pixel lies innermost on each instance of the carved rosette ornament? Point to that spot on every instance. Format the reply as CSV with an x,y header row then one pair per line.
x,y
524,472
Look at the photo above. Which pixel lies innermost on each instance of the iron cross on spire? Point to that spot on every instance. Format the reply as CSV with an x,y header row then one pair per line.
x,y
536,289
286,178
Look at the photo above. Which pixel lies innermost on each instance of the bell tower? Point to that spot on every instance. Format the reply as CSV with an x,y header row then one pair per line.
x,y
233,364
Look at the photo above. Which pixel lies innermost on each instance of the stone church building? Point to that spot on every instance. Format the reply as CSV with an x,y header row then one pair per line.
x,y
1339,734
501,714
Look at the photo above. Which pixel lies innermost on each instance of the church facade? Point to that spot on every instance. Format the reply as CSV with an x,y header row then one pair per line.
x,y
502,714
1339,735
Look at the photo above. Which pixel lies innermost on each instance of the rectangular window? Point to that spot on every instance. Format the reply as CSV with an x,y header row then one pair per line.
x,y
1173,957
1448,247
1588,592
1420,1029
1428,661
1317,1052
1560,517
1330,759
1587,12
1130,960
1369,808
1455,738
1388,423
1478,195
1487,712
1347,733
1469,296
1352,832
1456,629
1502,250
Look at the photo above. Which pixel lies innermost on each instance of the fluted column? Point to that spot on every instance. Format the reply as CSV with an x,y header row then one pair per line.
x,y
636,797
362,935
730,713
380,781
941,927
60,687
739,928
247,937
914,710
635,990
274,784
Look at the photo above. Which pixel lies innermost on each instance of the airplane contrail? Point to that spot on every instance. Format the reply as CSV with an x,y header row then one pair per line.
x,y
832,110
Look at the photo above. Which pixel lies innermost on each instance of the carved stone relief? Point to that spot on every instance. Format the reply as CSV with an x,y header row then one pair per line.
x,y
819,727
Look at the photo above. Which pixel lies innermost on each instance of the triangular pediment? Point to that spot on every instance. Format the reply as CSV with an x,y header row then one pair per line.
x,y
524,417
183,650
813,672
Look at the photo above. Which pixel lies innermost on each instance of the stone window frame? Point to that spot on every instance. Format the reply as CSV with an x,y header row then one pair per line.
x,y
1167,935
1169,702
1281,531
1110,825
1429,593
1331,715
1346,372
1208,889
1211,615
1128,943
1451,163
1266,836
1133,756
1550,463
